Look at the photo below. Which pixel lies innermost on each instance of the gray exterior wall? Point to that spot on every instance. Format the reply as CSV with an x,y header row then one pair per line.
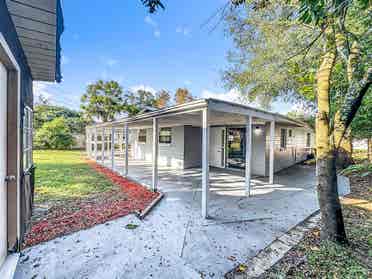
x,y
193,147
7,29
296,150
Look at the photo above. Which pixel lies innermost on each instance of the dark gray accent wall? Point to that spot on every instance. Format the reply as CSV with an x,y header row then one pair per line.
x,y
7,29
193,147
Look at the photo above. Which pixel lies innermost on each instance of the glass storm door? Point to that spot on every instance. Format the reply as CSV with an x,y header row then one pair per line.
x,y
236,148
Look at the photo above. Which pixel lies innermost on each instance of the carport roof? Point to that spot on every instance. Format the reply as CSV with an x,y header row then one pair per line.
x,y
39,25
211,104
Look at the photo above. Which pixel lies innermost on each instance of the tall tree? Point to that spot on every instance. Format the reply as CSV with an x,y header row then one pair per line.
x,y
45,113
162,99
102,101
331,30
183,96
137,101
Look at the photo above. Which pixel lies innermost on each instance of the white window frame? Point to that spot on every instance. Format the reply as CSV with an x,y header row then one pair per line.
x,y
284,143
308,140
171,135
27,138
138,137
290,133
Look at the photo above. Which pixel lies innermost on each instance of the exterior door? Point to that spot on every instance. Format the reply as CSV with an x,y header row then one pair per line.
x,y
236,148
3,164
217,147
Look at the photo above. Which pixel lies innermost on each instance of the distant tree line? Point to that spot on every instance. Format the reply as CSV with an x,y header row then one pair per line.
x,y
55,126
106,100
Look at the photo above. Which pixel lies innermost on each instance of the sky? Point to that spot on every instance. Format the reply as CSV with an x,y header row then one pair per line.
x,y
119,40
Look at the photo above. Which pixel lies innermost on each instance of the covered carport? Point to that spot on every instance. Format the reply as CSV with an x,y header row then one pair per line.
x,y
108,143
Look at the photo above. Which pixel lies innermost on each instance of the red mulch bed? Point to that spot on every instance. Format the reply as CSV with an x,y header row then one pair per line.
x,y
130,197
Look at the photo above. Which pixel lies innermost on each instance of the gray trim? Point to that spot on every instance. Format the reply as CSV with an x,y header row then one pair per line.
x,y
213,105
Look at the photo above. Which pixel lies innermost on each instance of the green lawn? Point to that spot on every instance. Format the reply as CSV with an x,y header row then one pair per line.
x,y
61,175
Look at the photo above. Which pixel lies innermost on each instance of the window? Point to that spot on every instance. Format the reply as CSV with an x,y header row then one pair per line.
x,y
165,135
308,140
142,136
289,133
27,138
283,138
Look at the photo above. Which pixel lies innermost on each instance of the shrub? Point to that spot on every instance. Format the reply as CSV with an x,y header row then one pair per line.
x,y
55,134
361,170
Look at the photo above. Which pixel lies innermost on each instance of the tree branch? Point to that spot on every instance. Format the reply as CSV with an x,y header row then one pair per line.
x,y
307,48
364,85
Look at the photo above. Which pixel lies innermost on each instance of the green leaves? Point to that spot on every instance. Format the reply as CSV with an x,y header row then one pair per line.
x,y
311,11
55,134
103,100
153,5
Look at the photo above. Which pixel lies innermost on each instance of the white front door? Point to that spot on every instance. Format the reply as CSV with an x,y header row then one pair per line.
x,y
3,162
217,147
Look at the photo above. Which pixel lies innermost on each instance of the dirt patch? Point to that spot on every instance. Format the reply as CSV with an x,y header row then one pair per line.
x,y
51,220
312,258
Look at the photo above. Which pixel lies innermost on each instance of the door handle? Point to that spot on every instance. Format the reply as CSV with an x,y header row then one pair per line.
x,y
9,178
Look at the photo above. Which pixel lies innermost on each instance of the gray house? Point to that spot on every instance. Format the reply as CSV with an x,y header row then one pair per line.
x,y
29,50
206,133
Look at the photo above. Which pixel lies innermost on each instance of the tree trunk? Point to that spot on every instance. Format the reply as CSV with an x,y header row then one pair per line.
x,y
343,142
330,207
369,150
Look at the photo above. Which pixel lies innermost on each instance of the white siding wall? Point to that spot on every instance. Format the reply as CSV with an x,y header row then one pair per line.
x,y
173,155
258,150
170,155
296,150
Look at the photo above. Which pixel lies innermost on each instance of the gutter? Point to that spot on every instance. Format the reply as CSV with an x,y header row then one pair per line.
x,y
183,108
59,31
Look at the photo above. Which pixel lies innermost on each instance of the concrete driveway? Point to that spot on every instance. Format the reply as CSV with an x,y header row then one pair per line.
x,y
174,241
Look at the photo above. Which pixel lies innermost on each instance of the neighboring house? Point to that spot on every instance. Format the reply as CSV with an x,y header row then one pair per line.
x,y
206,132
29,50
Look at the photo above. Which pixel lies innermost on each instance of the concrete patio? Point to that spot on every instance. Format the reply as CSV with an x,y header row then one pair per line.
x,y
174,241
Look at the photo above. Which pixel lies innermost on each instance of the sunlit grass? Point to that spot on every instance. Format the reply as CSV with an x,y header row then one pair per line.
x,y
63,175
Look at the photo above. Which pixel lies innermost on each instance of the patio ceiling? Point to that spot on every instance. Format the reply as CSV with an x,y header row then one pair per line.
x,y
39,25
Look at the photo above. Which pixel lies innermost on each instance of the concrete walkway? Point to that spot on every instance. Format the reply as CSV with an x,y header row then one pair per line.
x,y
174,241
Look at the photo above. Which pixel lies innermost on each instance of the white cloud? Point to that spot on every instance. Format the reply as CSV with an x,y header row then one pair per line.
x,y
65,60
111,62
40,89
157,33
233,95
150,21
183,30
143,87
154,24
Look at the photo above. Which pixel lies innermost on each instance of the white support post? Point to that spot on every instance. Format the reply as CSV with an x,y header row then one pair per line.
x,y
103,146
89,143
155,153
248,155
205,163
87,151
272,148
113,148
95,144
126,142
